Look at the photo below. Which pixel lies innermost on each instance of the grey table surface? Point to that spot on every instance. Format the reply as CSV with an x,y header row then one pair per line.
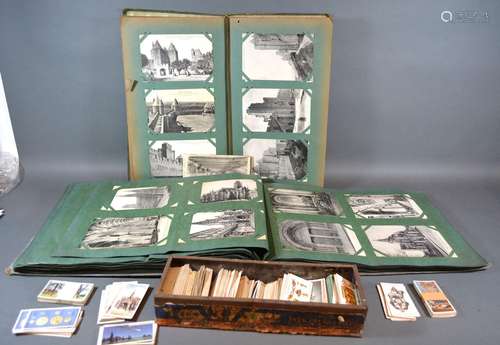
x,y
414,105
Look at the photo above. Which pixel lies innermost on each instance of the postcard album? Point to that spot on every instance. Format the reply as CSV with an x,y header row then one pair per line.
x,y
255,85
123,227
130,227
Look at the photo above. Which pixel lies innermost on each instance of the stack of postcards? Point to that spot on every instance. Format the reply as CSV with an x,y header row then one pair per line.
x,y
334,288
58,322
120,301
397,303
65,292
434,299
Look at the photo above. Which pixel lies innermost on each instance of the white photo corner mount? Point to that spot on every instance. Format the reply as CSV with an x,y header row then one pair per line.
x,y
10,168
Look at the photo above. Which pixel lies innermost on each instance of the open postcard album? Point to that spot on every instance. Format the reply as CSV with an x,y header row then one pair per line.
x,y
128,227
253,85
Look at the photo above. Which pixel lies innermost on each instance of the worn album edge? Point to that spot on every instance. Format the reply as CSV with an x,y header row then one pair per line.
x,y
128,84
11,269
325,99
130,12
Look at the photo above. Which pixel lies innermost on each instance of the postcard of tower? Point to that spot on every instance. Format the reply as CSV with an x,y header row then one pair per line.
x,y
222,224
176,57
126,301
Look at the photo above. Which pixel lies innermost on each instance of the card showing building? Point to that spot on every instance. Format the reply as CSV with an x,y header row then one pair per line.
x,y
123,232
126,301
278,159
176,57
180,110
108,295
165,157
304,202
228,190
140,198
205,165
277,110
318,236
276,56
384,206
222,224
407,241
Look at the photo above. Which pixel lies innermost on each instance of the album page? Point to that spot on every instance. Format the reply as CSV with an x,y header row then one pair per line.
x,y
379,229
279,93
175,88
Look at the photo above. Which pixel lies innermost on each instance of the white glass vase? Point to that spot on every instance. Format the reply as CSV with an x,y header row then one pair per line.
x,y
11,171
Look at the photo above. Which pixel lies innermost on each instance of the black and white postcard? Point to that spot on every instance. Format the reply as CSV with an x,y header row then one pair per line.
x,y
276,110
180,110
304,202
384,206
319,236
278,159
176,57
204,165
165,156
228,190
407,241
222,224
140,198
319,293
132,232
276,56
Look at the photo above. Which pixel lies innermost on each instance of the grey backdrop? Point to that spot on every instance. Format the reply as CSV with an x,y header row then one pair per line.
x,y
415,103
